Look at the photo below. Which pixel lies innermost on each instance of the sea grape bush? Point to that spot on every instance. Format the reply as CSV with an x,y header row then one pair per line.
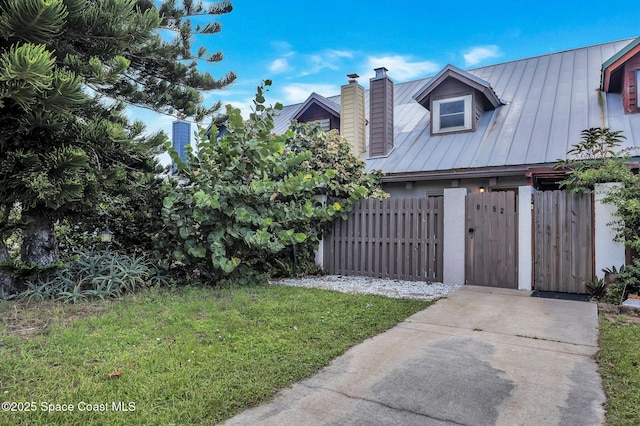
x,y
244,197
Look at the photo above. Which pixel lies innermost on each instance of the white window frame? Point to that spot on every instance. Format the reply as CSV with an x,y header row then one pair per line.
x,y
467,114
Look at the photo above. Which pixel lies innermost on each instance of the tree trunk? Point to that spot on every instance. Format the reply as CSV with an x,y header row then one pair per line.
x,y
39,244
8,286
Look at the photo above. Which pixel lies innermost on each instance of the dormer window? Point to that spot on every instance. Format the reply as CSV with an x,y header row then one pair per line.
x,y
452,115
320,109
456,100
621,75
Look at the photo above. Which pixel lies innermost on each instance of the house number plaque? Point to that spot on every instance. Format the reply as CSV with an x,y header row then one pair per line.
x,y
494,208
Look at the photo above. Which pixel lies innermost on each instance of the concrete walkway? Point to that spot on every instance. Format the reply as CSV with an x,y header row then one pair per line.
x,y
483,356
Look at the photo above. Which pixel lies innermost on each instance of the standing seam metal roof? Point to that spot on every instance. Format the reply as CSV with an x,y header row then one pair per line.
x,y
548,100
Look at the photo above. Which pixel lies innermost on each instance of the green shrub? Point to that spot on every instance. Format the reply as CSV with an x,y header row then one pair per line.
x,y
627,281
614,293
599,159
597,288
95,275
294,261
631,275
245,197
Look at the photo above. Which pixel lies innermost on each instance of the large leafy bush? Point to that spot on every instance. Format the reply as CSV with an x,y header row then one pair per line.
x,y
598,158
330,151
248,195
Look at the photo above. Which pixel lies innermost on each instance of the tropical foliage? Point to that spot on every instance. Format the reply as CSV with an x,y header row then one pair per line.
x,y
68,154
331,151
98,274
247,195
599,159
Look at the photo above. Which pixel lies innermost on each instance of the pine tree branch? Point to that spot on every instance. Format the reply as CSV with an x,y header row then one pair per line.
x,y
153,109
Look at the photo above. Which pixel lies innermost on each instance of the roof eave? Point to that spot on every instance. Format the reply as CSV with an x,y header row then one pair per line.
x,y
616,61
424,94
319,100
480,172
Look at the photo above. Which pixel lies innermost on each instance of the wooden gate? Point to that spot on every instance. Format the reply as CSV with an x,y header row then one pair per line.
x,y
398,238
563,241
492,240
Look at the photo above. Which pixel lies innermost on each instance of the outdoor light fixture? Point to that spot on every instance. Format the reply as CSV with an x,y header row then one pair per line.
x,y
481,189
106,236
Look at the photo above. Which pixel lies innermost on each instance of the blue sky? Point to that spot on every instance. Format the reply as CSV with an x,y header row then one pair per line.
x,y
309,47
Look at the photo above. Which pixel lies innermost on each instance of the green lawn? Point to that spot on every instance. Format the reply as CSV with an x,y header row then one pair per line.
x,y
619,361
190,356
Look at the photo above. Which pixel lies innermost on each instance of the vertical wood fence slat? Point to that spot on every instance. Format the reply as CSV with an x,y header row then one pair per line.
x,y
370,206
563,240
393,238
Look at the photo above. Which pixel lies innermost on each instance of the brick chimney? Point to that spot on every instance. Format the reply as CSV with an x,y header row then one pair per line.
x,y
352,121
380,114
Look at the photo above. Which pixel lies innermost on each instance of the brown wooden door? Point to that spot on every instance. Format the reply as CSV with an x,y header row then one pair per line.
x,y
563,241
492,240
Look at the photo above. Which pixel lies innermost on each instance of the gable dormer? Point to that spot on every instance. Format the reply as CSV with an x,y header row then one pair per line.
x,y
318,108
456,100
621,74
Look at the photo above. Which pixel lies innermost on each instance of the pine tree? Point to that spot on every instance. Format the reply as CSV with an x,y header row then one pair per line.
x,y
67,68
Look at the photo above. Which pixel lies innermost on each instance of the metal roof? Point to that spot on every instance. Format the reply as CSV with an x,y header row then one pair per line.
x,y
621,53
547,101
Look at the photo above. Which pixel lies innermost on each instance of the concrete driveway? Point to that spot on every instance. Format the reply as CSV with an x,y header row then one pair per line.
x,y
483,356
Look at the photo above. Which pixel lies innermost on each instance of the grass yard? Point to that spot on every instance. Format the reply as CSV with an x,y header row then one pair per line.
x,y
190,356
619,361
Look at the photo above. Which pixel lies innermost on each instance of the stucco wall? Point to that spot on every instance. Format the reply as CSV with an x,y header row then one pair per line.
x,y
608,252
454,236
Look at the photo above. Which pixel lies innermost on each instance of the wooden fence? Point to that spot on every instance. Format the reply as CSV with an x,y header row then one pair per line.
x,y
398,238
563,241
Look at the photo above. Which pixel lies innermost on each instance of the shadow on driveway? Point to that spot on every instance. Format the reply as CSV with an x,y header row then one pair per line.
x,y
483,356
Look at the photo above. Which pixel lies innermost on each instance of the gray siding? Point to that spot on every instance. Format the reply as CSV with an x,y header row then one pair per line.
x,y
436,187
450,88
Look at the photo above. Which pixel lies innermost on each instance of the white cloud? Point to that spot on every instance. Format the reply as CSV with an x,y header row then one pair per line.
x,y
325,59
299,92
307,63
281,45
332,53
213,96
279,65
245,106
477,54
401,68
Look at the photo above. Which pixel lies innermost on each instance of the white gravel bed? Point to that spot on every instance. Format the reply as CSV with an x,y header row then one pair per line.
x,y
420,290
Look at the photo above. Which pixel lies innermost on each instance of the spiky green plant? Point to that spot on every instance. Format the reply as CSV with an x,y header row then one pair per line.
x,y
96,275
